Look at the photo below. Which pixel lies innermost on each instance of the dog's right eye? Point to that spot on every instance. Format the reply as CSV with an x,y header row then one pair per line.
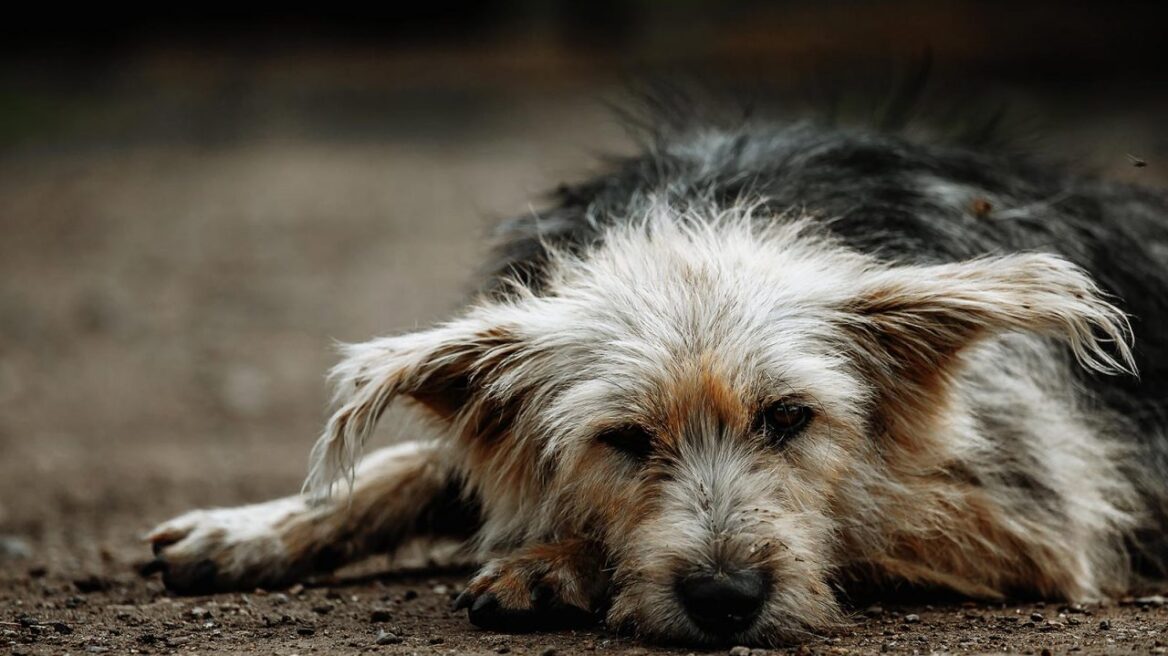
x,y
633,441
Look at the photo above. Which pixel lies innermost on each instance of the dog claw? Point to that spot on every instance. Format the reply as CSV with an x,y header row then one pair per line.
x,y
152,567
463,600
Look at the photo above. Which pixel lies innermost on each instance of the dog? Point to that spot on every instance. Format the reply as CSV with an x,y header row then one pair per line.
x,y
705,394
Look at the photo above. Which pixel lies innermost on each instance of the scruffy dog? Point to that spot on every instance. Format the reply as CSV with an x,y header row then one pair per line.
x,y
706,392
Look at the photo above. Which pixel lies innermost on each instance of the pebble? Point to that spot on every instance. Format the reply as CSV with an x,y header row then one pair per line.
x,y
380,615
306,630
12,547
740,651
96,649
1152,600
441,589
1105,625
91,584
323,609
1052,626
548,651
874,610
912,618
387,638
1037,617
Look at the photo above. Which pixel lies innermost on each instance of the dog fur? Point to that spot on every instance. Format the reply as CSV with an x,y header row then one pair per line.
x,y
959,330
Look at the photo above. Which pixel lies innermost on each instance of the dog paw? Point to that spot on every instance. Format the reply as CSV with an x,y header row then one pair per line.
x,y
223,549
535,592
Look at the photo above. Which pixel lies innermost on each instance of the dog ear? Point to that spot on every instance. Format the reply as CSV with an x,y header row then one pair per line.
x,y
444,369
913,322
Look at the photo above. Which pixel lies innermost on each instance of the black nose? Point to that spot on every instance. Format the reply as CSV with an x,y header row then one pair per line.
x,y
724,602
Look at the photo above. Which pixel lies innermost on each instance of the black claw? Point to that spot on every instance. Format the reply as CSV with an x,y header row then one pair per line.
x,y
204,574
198,579
542,596
546,613
153,567
484,604
463,600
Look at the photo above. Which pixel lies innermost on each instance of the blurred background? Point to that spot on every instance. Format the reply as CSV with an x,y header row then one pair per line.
x,y
195,201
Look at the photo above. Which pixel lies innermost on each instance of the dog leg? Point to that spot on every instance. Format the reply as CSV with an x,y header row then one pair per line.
x,y
547,586
398,493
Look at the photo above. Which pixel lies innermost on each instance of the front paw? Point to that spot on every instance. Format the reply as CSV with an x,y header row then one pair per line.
x,y
538,590
224,549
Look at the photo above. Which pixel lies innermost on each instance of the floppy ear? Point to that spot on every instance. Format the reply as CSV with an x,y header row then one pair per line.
x,y
912,322
444,369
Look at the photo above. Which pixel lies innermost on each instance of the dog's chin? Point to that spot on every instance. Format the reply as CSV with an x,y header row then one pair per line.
x,y
652,613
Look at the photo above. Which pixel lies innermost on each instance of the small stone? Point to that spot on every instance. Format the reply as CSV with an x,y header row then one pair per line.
x,y
96,649
503,650
912,618
279,598
1155,601
306,630
200,613
410,595
62,628
323,609
441,589
387,638
1104,625
296,589
14,548
1052,626
380,615
548,651
875,610
436,640
91,584
740,651
1036,617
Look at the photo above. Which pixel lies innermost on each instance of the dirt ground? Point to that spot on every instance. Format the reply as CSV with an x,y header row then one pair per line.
x,y
182,241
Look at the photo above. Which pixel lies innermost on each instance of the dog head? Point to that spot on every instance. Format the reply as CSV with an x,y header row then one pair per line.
x,y
703,395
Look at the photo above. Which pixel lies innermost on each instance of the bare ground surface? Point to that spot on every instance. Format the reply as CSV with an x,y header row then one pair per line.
x,y
169,293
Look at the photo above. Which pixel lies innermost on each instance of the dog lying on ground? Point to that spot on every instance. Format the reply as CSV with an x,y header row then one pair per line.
x,y
712,388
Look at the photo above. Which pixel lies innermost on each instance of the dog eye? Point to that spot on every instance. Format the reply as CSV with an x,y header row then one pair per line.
x,y
784,420
632,441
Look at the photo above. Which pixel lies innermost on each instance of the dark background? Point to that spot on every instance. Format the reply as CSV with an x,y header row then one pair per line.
x,y
196,201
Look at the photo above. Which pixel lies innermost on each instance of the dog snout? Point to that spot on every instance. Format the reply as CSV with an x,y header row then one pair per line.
x,y
723,603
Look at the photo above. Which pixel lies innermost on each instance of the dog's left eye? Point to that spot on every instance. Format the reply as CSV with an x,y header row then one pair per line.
x,y
784,420
632,441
